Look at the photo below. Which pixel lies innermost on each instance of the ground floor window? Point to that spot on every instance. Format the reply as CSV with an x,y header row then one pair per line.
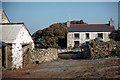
x,y
87,35
100,35
76,43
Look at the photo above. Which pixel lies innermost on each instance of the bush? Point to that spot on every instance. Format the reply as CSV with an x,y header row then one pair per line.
x,y
57,59
115,53
115,35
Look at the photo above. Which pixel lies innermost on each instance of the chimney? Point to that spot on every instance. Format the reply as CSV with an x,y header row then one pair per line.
x,y
68,23
111,23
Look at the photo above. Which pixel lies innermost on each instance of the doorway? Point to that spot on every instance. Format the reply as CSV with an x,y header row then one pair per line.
x,y
26,54
76,43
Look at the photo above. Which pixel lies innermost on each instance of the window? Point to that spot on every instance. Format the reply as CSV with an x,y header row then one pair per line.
x,y
87,35
76,43
76,35
100,35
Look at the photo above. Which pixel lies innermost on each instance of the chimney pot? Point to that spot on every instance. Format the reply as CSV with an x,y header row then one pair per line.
x,y
111,22
111,19
68,23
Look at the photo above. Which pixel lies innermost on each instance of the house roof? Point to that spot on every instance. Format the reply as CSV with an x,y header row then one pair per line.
x,y
90,28
9,31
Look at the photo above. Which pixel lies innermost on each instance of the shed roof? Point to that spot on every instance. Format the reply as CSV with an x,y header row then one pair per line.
x,y
90,28
9,32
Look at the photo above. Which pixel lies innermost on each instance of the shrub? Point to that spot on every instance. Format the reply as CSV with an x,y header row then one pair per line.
x,y
115,35
115,53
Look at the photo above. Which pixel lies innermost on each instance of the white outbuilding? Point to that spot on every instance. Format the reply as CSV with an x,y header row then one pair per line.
x,y
19,43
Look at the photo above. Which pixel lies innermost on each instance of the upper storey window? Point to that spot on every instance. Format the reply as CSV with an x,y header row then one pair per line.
x,y
100,35
76,35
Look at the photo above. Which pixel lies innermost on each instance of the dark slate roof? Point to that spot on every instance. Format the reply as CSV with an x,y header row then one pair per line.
x,y
90,28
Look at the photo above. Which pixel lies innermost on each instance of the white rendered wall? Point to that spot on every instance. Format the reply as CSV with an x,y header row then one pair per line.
x,y
82,37
23,37
17,55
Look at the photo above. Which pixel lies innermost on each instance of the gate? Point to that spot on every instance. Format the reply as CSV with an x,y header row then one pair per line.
x,y
26,54
7,56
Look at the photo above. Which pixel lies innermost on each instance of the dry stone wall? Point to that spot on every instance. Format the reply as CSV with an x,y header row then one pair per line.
x,y
43,55
101,49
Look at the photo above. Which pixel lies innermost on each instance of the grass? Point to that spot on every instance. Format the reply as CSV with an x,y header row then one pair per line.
x,y
57,59
9,69
14,68
95,74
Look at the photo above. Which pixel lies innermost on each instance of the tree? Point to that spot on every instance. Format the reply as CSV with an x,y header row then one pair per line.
x,y
78,22
115,35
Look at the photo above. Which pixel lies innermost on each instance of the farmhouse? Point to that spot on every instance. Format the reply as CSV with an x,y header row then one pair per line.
x,y
81,33
16,43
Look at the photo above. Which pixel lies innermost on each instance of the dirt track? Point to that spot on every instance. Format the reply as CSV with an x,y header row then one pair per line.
x,y
106,68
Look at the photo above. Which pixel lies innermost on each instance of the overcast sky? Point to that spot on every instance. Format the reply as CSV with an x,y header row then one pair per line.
x,y
39,15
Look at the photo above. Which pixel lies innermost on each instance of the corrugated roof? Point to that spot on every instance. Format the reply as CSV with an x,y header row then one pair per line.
x,y
9,32
90,28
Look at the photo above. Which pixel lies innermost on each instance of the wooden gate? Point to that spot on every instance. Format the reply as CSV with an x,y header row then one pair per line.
x,y
7,56
26,55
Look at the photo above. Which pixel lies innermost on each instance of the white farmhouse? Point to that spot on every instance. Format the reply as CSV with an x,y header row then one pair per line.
x,y
81,33
19,43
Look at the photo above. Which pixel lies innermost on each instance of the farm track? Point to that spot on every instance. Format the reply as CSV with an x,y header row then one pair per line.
x,y
96,68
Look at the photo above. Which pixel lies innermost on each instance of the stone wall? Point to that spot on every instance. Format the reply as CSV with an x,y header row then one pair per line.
x,y
101,49
43,55
64,50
